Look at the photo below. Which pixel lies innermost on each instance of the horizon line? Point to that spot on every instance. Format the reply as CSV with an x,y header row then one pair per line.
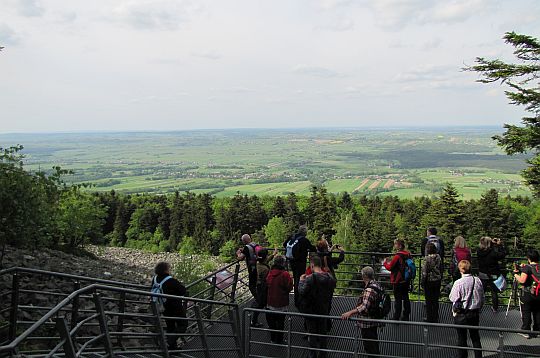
x,y
404,127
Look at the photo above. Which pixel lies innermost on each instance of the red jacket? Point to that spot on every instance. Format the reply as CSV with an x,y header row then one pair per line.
x,y
397,266
279,284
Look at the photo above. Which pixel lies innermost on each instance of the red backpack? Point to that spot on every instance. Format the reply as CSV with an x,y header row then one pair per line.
x,y
535,275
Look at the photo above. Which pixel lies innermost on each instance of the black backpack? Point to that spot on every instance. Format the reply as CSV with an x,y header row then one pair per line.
x,y
382,306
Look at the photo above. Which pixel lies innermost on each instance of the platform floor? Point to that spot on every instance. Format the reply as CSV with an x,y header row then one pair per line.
x,y
407,341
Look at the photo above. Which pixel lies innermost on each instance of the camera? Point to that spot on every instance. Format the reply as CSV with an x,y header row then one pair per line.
x,y
496,241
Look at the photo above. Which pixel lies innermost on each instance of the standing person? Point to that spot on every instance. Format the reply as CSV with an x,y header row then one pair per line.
x,y
467,297
397,267
460,252
316,291
529,276
249,253
364,308
431,280
279,284
489,253
296,252
263,267
164,283
329,263
431,236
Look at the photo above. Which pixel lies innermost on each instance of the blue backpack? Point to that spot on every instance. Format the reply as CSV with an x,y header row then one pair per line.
x,y
409,269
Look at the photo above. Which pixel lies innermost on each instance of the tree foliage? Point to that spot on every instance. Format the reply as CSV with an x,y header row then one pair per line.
x,y
524,90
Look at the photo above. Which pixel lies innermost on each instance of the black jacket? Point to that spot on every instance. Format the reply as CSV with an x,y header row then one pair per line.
x,y
302,247
488,260
172,306
316,290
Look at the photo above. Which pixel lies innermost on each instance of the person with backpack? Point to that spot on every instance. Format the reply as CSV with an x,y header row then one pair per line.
x,y
370,305
164,283
296,252
431,280
529,276
263,267
435,240
316,291
490,252
249,253
461,252
279,283
467,297
399,269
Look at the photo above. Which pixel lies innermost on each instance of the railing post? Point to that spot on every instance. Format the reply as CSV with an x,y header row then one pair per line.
x,y
247,334
162,342
289,321
75,305
202,330
356,342
14,307
63,330
426,343
419,275
211,297
235,282
120,324
103,325
501,344
237,334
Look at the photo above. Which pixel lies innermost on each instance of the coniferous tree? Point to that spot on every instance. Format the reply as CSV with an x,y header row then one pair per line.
x,y
279,208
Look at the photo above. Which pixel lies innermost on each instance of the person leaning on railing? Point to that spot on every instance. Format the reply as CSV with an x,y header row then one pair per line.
x,y
529,276
467,297
364,307
490,252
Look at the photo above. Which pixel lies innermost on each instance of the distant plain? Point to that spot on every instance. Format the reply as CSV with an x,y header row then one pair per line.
x,y
403,162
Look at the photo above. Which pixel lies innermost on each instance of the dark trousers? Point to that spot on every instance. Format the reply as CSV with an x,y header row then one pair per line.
x,y
174,327
260,301
317,326
277,322
531,309
370,347
474,320
401,297
490,286
252,280
298,268
432,291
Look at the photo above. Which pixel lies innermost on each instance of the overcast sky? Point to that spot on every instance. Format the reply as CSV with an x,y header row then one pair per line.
x,y
72,65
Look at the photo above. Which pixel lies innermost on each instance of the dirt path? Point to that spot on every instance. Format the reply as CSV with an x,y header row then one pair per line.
x,y
362,184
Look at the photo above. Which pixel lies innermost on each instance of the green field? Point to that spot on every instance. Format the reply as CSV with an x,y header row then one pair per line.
x,y
276,162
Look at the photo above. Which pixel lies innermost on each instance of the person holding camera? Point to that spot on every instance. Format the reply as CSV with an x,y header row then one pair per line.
x,y
529,276
329,262
490,253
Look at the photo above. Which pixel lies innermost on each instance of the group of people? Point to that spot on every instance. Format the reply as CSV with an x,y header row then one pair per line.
x,y
313,286
270,284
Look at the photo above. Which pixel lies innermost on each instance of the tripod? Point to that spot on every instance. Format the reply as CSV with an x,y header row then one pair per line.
x,y
516,297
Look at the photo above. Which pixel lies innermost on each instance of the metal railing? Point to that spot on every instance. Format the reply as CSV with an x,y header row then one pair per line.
x,y
395,338
97,330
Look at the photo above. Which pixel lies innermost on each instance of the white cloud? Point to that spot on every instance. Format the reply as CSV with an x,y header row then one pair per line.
x,y
8,36
30,8
209,55
317,71
165,15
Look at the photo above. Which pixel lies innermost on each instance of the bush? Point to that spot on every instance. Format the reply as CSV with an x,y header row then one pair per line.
x,y
227,252
191,268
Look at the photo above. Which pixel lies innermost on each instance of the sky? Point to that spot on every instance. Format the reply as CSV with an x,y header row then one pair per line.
x,y
114,65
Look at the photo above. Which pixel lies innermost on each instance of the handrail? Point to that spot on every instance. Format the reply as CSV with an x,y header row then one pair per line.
x,y
401,323
214,273
55,310
70,276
